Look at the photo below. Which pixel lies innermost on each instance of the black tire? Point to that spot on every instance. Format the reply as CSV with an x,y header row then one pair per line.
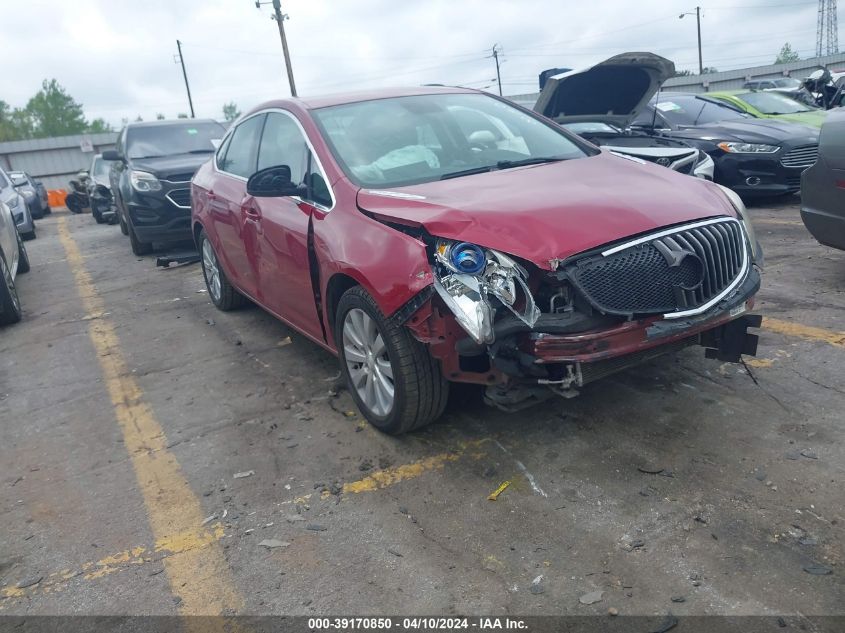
x,y
229,298
31,235
139,247
10,305
420,391
48,210
123,228
98,217
23,257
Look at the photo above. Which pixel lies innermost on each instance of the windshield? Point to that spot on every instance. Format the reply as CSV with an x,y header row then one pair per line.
x,y
409,140
690,110
172,139
100,169
787,82
772,103
18,178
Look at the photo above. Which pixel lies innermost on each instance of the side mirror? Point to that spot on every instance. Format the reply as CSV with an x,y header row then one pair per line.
x,y
111,154
273,182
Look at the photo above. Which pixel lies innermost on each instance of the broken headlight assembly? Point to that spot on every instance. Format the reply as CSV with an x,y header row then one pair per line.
x,y
476,283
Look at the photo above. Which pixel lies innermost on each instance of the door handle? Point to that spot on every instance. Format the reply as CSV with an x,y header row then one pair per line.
x,y
251,213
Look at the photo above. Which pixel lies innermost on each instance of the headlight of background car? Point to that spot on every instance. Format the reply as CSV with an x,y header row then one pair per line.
x,y
739,205
143,181
747,148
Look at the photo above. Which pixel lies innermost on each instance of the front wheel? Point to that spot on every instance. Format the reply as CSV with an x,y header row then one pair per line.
x,y
123,228
138,247
10,304
98,217
393,379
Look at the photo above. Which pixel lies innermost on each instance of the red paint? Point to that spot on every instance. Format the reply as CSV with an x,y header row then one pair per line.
x,y
537,213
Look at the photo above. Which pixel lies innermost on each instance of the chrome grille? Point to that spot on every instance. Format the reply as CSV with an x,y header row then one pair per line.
x,y
803,157
180,197
684,270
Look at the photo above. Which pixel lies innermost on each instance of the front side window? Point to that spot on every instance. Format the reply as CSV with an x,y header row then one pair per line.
x,y
242,148
153,141
409,140
282,143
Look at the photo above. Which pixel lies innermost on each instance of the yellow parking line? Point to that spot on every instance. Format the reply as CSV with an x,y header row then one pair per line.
x,y
385,477
198,575
91,570
808,332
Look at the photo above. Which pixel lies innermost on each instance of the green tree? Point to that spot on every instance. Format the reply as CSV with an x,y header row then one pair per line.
x,y
182,115
15,124
683,73
787,55
54,112
159,116
99,125
709,69
230,111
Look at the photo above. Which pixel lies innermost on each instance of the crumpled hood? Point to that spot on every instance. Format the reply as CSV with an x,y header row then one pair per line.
x,y
614,91
549,212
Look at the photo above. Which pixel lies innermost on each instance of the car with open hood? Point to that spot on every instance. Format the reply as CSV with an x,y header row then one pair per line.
x,y
753,157
762,104
600,103
433,235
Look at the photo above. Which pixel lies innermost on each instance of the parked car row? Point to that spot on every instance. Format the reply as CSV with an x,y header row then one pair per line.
x,y
437,235
757,148
18,205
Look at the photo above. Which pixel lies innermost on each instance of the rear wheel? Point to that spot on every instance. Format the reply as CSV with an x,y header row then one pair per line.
x,y
10,304
393,379
221,291
97,216
123,228
23,257
31,234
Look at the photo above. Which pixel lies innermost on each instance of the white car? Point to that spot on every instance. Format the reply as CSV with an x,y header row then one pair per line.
x,y
13,260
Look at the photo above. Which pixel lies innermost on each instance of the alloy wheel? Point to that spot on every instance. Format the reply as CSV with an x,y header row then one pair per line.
x,y
368,362
10,284
212,270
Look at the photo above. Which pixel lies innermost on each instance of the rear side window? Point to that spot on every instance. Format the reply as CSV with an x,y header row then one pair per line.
x,y
242,149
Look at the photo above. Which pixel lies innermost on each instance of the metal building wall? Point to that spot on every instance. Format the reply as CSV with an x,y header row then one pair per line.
x,y
54,161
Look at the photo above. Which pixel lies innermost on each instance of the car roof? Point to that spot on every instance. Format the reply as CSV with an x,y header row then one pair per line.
x,y
322,101
167,122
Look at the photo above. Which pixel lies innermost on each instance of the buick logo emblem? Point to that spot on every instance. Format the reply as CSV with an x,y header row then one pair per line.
x,y
686,269
663,161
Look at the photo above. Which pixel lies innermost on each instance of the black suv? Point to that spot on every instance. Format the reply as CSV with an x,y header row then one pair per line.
x,y
151,177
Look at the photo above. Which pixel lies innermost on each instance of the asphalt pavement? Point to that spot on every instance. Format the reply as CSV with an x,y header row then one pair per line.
x,y
161,457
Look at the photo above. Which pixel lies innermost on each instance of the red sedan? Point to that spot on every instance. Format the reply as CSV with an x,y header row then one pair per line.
x,y
434,234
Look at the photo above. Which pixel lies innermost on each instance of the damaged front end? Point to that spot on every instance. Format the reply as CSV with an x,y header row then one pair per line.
x,y
528,333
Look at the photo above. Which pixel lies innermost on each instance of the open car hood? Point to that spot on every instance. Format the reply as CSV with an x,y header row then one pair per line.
x,y
614,91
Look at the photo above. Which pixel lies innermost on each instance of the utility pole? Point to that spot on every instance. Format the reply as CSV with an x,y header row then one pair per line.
x,y
280,18
698,25
185,75
498,74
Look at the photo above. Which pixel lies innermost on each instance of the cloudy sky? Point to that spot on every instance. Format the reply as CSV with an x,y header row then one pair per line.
x,y
117,56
